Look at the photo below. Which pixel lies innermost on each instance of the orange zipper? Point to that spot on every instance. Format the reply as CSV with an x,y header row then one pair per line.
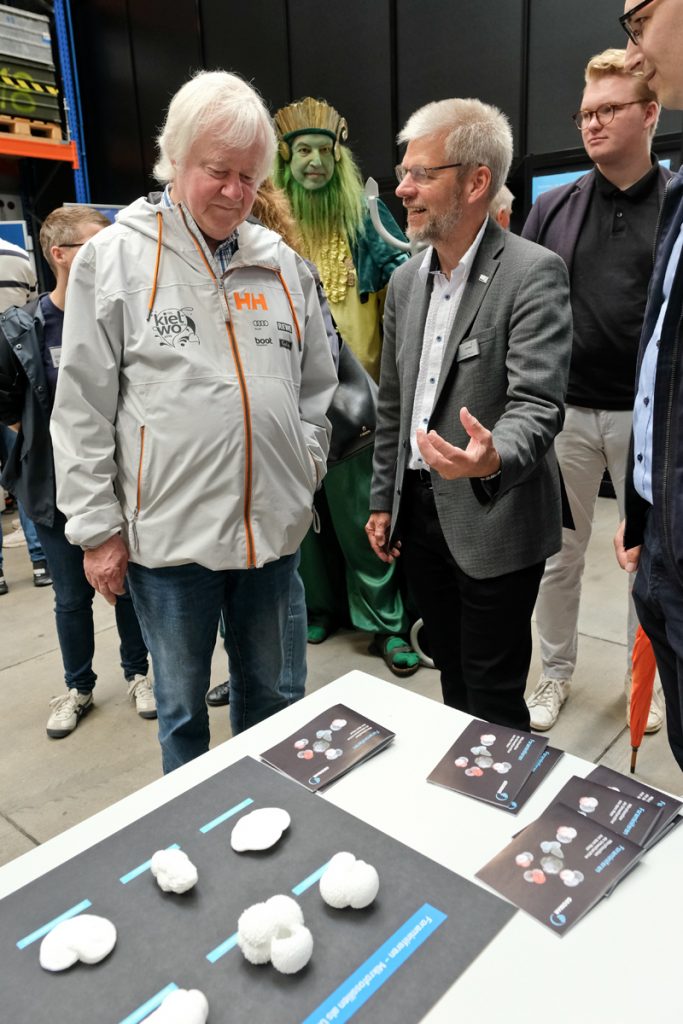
x,y
251,550
246,411
138,499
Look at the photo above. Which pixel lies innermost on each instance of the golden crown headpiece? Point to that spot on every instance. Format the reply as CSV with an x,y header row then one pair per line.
x,y
309,117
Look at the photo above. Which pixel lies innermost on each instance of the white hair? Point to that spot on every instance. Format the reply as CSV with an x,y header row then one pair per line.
x,y
502,200
475,133
223,104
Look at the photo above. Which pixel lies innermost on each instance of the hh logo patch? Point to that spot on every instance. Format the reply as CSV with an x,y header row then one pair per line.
x,y
175,327
250,301
285,343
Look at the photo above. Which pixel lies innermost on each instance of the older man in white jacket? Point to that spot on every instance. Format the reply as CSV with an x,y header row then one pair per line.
x,y
189,427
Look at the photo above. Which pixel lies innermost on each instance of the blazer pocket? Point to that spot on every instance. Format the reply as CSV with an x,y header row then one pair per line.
x,y
470,348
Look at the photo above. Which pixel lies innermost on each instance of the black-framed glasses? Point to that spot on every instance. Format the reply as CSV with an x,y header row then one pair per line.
x,y
631,24
419,174
70,245
603,115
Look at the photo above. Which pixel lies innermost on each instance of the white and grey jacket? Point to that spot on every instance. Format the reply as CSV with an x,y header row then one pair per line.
x,y
190,408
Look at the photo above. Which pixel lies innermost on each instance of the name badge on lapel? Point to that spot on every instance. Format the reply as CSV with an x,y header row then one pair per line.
x,y
467,350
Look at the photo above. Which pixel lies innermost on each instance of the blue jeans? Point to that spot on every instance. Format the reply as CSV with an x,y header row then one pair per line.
x,y
178,608
74,618
35,551
293,676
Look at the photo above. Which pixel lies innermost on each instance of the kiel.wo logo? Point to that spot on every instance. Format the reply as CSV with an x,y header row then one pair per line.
x,y
174,327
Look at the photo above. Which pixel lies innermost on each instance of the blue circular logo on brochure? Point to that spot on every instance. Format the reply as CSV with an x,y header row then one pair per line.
x,y
314,780
502,797
558,920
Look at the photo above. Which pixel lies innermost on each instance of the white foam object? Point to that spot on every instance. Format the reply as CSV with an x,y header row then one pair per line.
x,y
174,871
182,1006
349,882
274,932
86,937
260,829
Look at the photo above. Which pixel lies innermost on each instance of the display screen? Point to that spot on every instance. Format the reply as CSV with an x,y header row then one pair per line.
x,y
541,183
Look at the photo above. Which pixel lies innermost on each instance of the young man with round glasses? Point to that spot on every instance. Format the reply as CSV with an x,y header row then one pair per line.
x,y
652,541
603,226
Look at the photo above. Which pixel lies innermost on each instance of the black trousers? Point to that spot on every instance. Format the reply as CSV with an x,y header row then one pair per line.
x,y
658,597
478,631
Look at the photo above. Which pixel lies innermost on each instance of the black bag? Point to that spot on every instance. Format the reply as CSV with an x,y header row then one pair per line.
x,y
353,413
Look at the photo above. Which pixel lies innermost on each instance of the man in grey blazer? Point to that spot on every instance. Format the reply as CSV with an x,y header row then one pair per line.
x,y
477,337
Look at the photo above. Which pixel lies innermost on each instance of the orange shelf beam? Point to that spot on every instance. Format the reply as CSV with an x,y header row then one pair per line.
x,y
41,149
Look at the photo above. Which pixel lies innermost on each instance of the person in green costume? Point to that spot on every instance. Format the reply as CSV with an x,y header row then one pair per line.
x,y
323,184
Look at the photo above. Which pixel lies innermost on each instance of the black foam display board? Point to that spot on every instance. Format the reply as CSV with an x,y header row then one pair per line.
x,y
393,959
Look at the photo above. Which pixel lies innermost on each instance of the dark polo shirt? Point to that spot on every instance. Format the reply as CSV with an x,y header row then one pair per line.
x,y
610,274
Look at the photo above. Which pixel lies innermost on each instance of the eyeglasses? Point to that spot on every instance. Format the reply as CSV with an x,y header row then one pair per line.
x,y
632,25
70,245
603,115
419,174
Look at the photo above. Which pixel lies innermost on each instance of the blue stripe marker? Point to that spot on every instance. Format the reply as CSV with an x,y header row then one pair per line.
x,y
141,868
221,950
353,993
228,814
38,934
311,880
151,1004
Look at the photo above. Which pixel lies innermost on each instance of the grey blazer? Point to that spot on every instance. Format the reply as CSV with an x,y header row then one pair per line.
x,y
516,308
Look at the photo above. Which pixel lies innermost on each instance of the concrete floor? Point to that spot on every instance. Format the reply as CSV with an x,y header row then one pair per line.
x,y
48,785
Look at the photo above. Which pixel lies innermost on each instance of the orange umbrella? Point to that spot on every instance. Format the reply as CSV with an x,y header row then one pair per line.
x,y
643,667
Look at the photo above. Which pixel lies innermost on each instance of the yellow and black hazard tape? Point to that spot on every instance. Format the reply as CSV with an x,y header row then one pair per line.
x,y
27,84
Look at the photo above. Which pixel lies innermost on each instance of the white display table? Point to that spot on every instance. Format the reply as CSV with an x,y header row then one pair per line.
x,y
619,964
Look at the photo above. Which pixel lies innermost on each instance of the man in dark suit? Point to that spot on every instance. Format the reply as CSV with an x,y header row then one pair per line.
x,y
470,499
652,542
603,226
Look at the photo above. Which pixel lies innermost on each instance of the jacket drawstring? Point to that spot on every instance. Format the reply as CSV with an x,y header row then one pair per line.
x,y
160,233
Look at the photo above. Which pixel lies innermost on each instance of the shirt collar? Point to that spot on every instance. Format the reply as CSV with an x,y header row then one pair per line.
x,y
639,190
225,250
430,263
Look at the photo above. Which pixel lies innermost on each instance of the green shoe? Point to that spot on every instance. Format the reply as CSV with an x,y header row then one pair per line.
x,y
398,655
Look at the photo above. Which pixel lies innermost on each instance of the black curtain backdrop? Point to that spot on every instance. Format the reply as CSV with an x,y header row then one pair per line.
x,y
375,60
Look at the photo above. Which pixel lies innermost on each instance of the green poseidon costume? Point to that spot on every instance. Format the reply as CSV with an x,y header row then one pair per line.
x,y
342,576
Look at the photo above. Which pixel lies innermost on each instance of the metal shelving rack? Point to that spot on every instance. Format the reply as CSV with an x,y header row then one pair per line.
x,y
73,150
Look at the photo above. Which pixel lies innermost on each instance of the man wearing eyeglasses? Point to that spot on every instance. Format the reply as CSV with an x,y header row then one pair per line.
x,y
603,226
474,369
652,541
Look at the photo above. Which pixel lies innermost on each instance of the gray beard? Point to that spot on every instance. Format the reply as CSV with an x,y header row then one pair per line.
x,y
438,228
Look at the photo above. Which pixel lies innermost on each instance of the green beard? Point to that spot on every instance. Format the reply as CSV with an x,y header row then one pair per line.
x,y
337,207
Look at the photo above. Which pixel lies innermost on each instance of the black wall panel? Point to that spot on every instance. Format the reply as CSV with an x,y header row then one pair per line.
x,y
342,53
109,101
375,60
562,39
251,39
166,47
468,48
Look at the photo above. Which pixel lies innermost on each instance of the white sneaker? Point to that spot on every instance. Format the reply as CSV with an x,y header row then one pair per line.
x,y
546,700
66,711
140,690
655,718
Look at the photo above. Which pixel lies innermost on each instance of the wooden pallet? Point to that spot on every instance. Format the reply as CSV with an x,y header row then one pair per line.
x,y
24,127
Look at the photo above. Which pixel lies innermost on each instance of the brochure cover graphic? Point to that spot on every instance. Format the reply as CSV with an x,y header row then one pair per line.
x,y
623,814
324,749
490,762
558,867
543,767
668,806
